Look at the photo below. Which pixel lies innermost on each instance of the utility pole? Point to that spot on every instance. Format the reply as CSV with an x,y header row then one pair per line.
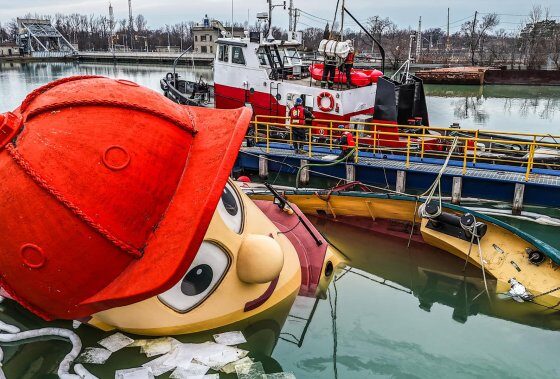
x,y
296,15
111,26
291,20
448,42
419,40
130,23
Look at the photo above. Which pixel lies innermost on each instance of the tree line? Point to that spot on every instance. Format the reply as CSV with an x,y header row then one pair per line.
x,y
479,41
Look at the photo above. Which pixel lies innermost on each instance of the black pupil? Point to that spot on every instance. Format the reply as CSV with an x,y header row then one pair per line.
x,y
197,280
229,202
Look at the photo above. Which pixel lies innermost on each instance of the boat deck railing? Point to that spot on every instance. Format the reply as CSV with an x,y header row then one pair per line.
x,y
531,153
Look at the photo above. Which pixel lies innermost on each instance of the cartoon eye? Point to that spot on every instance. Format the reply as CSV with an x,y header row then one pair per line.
x,y
204,275
230,209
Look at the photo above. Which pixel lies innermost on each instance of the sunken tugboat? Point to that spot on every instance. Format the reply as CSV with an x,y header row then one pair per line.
x,y
135,233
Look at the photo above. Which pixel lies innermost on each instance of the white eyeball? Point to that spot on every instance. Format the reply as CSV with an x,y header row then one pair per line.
x,y
205,274
230,209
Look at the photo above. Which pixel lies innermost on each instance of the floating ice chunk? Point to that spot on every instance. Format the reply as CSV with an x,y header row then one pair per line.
x,y
159,346
135,373
179,375
230,367
217,356
116,342
280,375
253,370
182,355
76,324
230,338
94,355
158,365
193,370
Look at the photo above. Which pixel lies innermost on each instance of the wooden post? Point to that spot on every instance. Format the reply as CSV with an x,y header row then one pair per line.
x,y
456,190
518,198
350,172
304,173
401,181
263,166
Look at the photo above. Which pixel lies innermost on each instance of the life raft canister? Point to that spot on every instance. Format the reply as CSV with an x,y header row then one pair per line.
x,y
328,96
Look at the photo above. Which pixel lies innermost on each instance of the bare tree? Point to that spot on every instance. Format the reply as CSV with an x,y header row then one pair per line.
x,y
476,32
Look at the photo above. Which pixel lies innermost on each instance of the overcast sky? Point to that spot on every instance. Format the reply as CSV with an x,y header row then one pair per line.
x,y
403,12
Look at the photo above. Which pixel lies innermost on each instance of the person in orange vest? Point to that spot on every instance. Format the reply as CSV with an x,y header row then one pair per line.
x,y
349,65
299,116
348,144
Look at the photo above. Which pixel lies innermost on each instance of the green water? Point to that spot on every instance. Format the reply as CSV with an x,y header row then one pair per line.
x,y
399,313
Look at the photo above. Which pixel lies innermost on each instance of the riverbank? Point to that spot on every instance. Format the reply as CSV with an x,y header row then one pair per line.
x,y
157,58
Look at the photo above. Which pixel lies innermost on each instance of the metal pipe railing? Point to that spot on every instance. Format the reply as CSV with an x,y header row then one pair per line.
x,y
421,145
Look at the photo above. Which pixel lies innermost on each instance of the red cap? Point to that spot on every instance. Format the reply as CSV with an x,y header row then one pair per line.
x,y
106,193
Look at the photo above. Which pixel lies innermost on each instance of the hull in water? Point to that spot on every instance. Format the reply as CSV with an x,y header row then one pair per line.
x,y
504,250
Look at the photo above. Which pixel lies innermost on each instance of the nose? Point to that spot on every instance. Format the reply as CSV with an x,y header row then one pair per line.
x,y
260,259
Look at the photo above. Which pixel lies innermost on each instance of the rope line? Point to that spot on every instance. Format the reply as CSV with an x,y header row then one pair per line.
x,y
42,183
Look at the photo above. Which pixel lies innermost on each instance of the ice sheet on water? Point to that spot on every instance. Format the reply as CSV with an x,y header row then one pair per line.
x,y
116,342
159,365
230,338
253,370
135,373
94,355
280,375
158,346
230,367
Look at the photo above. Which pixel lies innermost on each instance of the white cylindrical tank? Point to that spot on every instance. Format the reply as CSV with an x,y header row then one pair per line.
x,y
332,48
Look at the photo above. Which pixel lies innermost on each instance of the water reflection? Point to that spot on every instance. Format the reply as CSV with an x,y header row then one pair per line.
x,y
515,108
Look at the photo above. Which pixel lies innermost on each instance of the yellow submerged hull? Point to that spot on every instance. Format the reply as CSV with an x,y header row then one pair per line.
x,y
503,247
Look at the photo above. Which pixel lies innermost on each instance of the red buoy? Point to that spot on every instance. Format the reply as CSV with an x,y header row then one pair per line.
x,y
105,194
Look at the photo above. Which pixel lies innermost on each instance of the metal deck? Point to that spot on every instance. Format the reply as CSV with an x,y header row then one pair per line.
x,y
494,182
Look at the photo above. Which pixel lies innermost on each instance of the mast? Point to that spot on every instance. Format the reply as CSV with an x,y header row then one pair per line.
x,y
342,20
130,23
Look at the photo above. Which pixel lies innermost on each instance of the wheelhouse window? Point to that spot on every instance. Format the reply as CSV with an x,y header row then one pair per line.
x,y
223,53
261,54
237,55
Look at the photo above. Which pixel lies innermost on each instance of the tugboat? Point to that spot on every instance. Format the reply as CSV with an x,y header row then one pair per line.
x,y
111,216
268,75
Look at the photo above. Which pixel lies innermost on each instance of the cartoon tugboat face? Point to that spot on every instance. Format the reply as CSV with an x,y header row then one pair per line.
x,y
117,210
243,267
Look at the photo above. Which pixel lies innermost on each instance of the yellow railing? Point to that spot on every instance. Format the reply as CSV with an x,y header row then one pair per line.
x,y
495,147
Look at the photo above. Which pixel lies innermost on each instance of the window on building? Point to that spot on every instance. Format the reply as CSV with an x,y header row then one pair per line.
x,y
203,49
203,38
210,38
195,38
223,53
212,49
237,55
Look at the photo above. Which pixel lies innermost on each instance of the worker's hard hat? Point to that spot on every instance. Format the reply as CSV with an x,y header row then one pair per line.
x,y
299,101
105,193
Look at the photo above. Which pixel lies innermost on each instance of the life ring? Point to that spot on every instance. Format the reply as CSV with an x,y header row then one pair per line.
x,y
320,98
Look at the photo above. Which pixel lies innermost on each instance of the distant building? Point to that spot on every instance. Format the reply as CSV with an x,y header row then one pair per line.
x,y
205,35
37,37
8,49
